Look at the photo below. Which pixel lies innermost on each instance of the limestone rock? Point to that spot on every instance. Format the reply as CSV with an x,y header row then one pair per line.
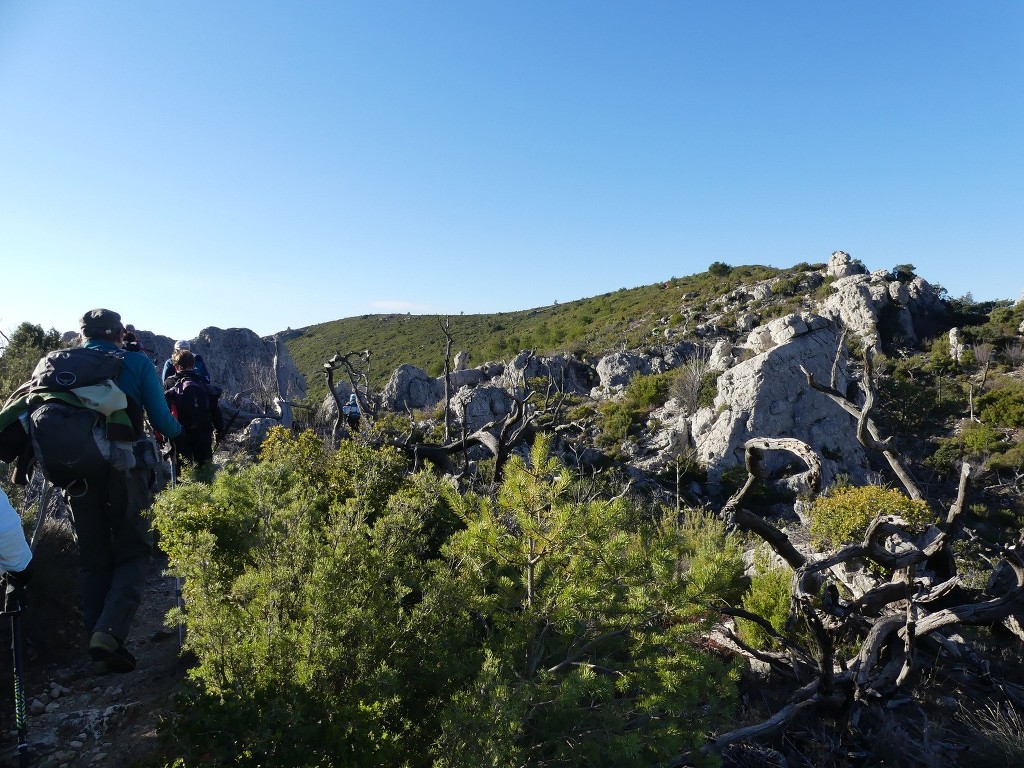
x,y
477,406
721,358
957,346
841,265
256,432
913,309
241,361
566,372
768,395
411,387
616,369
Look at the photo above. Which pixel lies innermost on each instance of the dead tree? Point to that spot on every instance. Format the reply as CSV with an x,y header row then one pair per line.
x,y
497,437
356,366
446,330
865,646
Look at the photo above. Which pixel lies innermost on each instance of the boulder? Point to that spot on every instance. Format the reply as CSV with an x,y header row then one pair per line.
x,y
721,358
616,369
768,395
568,373
957,346
256,432
477,406
913,309
411,387
841,265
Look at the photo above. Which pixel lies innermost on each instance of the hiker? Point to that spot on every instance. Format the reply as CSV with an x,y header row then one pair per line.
x,y
168,369
131,341
351,412
194,402
107,506
199,365
15,557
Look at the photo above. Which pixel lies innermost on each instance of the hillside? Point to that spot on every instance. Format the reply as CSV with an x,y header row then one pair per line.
x,y
625,318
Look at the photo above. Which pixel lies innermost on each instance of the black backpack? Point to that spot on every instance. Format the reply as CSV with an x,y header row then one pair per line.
x,y
189,399
71,439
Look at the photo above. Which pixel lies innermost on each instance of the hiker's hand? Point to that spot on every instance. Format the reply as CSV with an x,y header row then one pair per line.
x,y
14,590
20,578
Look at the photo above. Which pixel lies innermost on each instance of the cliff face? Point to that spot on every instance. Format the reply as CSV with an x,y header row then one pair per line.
x,y
242,362
239,361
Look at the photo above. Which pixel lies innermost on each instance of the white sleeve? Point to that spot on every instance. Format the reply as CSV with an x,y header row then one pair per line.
x,y
14,552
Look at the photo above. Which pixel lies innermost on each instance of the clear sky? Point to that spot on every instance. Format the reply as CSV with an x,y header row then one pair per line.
x,y
243,163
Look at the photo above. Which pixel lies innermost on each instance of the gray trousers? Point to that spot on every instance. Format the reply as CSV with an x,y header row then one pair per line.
x,y
115,545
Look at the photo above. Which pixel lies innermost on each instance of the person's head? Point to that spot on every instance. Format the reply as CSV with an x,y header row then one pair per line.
x,y
352,398
182,344
183,360
102,324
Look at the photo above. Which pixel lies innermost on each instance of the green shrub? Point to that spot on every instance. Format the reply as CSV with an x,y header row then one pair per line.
x,y
345,613
1003,407
844,514
768,597
592,614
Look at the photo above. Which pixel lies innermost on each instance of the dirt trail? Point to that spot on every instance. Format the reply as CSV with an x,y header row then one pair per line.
x,y
77,718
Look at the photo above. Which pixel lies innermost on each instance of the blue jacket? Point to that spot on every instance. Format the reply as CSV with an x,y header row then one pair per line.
x,y
200,368
139,381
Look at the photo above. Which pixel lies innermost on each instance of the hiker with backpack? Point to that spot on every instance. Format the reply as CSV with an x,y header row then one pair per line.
x,y
82,419
199,365
194,402
351,412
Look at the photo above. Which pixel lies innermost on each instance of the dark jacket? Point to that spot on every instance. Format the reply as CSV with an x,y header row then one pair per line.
x,y
213,394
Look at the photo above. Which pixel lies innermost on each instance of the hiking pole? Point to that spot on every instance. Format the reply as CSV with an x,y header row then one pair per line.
x,y
20,715
13,609
42,505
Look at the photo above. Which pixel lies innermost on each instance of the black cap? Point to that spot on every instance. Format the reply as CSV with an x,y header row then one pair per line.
x,y
101,324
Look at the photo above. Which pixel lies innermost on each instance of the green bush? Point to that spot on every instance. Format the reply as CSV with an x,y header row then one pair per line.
x,y
345,613
844,514
1003,407
642,394
768,597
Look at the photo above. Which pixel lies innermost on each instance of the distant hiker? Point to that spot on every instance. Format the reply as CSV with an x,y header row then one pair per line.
x,y
131,341
199,366
90,442
351,412
194,402
15,557
168,369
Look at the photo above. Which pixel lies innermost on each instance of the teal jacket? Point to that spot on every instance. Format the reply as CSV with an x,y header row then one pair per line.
x,y
139,380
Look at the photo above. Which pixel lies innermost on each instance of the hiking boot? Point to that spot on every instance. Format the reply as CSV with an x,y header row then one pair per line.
x,y
108,654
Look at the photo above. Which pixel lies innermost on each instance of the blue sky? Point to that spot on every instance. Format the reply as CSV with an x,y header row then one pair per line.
x,y
278,164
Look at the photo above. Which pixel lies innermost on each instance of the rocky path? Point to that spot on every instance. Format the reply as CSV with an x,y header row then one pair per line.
x,y
79,719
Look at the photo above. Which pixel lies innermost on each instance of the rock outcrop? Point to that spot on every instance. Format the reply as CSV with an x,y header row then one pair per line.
x,y
477,406
767,396
877,304
411,387
242,362
841,265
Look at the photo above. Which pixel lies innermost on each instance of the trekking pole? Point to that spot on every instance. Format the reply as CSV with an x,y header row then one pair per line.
x,y
14,611
42,506
20,715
